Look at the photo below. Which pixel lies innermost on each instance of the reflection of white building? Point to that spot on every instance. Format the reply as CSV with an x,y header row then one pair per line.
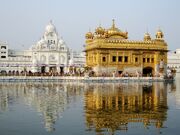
x,y
49,99
49,54
177,95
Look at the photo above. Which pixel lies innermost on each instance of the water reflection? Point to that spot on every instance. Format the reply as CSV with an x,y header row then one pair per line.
x,y
113,107
177,95
50,100
107,107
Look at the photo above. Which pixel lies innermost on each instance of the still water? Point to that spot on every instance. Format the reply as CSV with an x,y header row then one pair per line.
x,y
90,109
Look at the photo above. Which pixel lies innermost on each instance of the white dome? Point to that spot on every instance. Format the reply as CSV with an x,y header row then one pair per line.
x,y
41,42
50,28
61,42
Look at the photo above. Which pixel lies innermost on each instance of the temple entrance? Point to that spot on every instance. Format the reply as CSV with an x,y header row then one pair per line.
x,y
147,71
43,69
61,70
3,72
52,69
120,72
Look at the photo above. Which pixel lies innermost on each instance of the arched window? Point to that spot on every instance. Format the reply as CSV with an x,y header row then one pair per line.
x,y
43,59
52,58
62,59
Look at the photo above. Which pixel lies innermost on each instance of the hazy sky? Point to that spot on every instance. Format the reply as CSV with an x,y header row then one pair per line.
x,y
22,22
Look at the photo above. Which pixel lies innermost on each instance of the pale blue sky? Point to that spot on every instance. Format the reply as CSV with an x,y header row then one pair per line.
x,y
22,22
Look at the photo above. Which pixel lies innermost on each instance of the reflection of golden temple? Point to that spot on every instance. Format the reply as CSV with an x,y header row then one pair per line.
x,y
110,50
50,100
114,107
107,106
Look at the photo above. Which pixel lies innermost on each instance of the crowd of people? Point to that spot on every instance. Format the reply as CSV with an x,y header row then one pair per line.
x,y
85,71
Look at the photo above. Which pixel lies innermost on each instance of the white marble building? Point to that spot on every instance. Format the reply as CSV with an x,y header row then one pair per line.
x,y
174,60
49,54
77,59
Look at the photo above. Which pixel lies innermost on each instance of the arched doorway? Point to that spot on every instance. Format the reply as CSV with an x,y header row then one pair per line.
x,y
61,70
52,69
3,72
43,69
147,71
9,73
17,72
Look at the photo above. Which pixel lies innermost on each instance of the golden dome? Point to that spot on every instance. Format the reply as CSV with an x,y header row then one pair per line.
x,y
147,36
159,34
115,31
89,35
99,30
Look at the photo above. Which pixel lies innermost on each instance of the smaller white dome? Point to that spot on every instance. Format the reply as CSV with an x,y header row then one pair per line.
x,y
50,28
33,47
41,42
61,42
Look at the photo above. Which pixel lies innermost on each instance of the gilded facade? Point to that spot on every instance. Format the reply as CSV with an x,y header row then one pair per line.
x,y
109,50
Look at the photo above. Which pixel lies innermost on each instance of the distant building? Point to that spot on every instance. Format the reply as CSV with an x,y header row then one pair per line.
x,y
3,50
174,60
78,59
49,54
109,50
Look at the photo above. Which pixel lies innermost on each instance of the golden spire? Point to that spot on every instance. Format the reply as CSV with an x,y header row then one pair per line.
x,y
159,34
89,35
113,25
147,37
147,31
99,23
159,28
99,30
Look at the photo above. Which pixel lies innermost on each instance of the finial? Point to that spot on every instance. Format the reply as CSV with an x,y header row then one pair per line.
x,y
147,31
99,23
89,29
159,28
113,25
51,21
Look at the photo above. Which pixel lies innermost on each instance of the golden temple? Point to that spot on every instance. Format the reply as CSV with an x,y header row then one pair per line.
x,y
109,51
